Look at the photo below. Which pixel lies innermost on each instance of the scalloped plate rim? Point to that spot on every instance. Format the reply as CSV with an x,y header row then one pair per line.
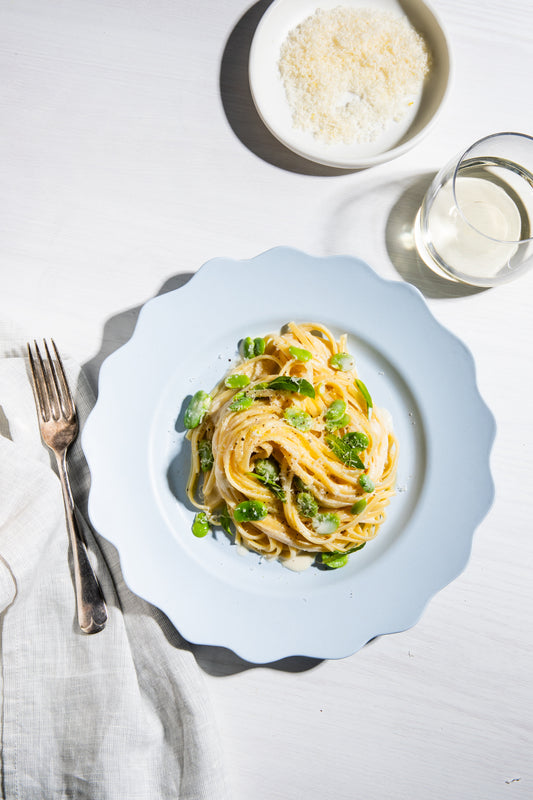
x,y
192,625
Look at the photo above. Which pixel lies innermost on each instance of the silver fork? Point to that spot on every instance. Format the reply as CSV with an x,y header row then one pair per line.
x,y
58,423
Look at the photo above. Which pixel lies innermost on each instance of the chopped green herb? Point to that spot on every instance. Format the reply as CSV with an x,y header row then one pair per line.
x,y
197,409
342,361
236,381
300,354
200,525
250,511
205,453
306,504
298,418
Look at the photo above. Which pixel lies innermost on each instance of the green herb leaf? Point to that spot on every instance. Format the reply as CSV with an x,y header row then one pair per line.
x,y
284,383
345,450
356,440
336,559
275,488
266,471
366,394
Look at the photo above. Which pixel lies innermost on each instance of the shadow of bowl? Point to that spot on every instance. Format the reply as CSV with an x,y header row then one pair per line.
x,y
239,106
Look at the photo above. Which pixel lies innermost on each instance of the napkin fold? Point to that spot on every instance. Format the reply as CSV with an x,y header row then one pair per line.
x,y
122,714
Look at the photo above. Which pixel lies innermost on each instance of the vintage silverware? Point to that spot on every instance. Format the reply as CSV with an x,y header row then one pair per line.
x,y
58,422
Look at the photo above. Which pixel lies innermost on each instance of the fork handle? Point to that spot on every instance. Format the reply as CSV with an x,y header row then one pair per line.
x,y
91,607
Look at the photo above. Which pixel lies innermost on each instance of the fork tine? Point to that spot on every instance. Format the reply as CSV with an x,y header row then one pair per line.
x,y
54,389
48,387
64,392
39,381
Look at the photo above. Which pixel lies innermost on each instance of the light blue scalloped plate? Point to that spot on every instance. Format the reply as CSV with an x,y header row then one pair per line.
x,y
134,443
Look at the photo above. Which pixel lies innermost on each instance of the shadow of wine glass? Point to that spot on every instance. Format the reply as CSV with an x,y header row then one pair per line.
x,y
401,246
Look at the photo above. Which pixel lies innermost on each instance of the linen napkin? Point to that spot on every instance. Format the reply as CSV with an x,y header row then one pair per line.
x,y
122,714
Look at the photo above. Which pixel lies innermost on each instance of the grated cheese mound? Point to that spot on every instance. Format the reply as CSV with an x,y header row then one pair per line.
x,y
349,73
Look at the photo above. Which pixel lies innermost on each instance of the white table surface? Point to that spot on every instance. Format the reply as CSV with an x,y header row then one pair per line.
x,y
131,155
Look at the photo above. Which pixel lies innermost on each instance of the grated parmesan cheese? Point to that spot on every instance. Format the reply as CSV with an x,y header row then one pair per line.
x,y
349,73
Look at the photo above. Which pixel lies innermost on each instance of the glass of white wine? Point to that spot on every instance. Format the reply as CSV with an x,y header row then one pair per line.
x,y
475,224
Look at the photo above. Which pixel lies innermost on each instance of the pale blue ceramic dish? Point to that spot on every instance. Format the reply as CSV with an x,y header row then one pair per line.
x,y
134,443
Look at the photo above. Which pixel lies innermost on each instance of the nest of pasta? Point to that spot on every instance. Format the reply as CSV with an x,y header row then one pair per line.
x,y
289,454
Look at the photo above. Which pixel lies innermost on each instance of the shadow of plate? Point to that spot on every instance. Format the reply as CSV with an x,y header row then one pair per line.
x,y
215,660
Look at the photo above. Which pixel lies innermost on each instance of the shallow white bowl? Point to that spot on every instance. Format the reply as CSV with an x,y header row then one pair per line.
x,y
269,94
